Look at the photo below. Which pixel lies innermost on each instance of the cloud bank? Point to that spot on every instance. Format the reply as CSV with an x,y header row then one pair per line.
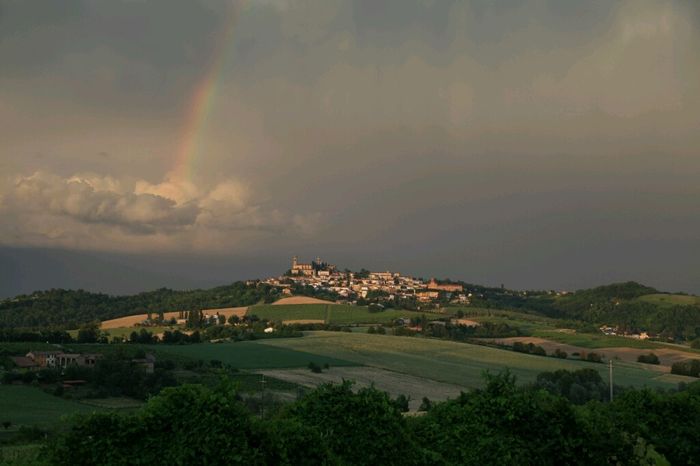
x,y
102,212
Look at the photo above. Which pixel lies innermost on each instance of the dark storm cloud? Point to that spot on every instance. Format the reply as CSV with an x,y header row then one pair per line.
x,y
108,53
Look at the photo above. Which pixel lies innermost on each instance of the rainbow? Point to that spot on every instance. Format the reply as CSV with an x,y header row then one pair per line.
x,y
200,104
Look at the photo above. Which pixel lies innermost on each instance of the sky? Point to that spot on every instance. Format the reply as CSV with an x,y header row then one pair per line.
x,y
539,144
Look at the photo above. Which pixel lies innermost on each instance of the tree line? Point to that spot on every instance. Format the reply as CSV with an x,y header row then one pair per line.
x,y
64,309
561,419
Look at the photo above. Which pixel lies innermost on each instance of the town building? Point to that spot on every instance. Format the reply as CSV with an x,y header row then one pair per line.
x,y
449,287
312,269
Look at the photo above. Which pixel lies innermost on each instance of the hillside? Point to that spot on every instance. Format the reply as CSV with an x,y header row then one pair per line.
x,y
70,309
630,306
668,300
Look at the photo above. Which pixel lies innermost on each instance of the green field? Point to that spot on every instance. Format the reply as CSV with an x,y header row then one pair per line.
x,y
30,406
598,341
120,403
341,314
21,455
447,361
360,315
251,355
669,300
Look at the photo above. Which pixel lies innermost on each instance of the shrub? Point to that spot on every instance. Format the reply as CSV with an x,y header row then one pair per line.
x,y
689,367
315,367
650,358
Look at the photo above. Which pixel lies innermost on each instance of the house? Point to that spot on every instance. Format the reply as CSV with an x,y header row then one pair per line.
x,y
82,360
427,296
450,287
61,359
43,358
24,362
148,363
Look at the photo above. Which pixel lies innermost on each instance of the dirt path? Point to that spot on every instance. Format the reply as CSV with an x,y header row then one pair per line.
x,y
393,382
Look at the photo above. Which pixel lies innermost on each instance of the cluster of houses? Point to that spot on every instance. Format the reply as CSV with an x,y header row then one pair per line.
x,y
59,359
349,285
616,331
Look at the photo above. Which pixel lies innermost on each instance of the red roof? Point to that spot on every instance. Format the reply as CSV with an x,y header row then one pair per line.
x,y
23,361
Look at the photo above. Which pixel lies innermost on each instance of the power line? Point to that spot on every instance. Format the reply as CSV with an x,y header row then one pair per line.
x,y
610,378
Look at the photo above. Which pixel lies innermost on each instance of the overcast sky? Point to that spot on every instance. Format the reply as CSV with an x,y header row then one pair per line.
x,y
539,144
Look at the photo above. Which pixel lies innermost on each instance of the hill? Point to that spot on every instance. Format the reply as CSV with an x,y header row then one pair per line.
x,y
71,309
300,300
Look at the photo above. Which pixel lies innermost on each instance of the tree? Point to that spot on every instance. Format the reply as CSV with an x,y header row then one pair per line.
x,y
402,403
315,367
365,427
89,333
426,404
508,424
174,418
650,358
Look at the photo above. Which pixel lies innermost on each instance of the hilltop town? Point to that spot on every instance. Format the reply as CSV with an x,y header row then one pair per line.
x,y
354,286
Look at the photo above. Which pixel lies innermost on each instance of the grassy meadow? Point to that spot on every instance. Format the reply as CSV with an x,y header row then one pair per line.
x,y
251,355
30,406
451,362
663,299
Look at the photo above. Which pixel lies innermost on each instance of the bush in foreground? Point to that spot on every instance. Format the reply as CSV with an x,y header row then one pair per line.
x,y
500,424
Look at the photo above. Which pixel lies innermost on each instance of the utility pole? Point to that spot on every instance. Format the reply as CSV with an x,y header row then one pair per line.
x,y
610,378
262,398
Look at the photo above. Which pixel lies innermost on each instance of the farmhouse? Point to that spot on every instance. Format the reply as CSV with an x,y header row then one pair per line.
x,y
43,358
427,296
24,362
450,287
147,363
61,359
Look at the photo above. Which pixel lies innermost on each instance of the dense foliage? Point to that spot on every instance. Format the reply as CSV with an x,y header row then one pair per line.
x,y
650,358
689,367
465,332
616,305
70,309
578,386
500,424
